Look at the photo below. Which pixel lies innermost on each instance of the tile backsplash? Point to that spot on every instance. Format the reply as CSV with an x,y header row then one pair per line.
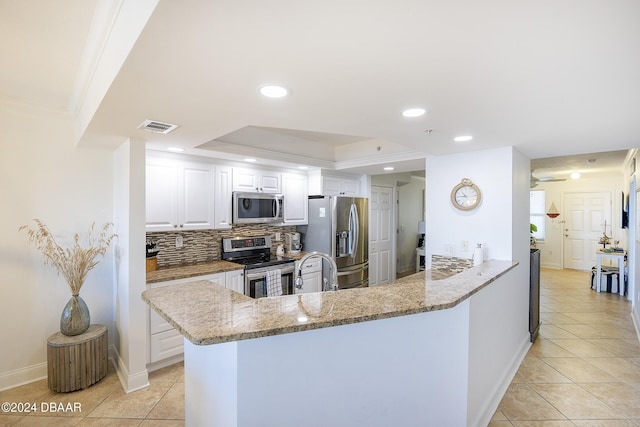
x,y
440,262
206,245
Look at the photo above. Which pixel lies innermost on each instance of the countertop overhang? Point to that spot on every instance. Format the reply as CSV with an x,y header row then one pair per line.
x,y
206,313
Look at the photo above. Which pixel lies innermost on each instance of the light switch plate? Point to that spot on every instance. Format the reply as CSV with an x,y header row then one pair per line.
x,y
179,241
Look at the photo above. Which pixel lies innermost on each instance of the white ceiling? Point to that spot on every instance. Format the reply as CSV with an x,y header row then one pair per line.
x,y
552,79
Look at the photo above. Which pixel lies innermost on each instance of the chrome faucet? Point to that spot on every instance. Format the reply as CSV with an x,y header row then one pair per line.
x,y
334,271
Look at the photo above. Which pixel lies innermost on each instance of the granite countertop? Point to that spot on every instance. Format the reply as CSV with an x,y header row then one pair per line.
x,y
295,256
192,270
206,313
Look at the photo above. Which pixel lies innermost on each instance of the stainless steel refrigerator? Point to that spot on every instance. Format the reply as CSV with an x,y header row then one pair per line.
x,y
339,226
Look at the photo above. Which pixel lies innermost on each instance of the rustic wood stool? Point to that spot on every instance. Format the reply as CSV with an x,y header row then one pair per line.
x,y
74,363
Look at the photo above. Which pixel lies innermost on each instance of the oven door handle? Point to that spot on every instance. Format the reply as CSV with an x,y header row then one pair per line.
x,y
254,276
263,274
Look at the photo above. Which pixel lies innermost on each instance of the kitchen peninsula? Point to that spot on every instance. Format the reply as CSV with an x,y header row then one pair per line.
x,y
398,354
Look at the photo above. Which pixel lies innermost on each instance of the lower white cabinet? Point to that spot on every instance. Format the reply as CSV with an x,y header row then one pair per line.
x,y
165,341
234,280
311,276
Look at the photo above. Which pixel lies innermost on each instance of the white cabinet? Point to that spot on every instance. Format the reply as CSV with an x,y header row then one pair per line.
x,y
252,180
321,183
333,186
195,195
311,276
161,194
179,194
295,189
165,341
235,281
222,197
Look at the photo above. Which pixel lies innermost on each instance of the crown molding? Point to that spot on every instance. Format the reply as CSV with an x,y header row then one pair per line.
x,y
114,30
381,159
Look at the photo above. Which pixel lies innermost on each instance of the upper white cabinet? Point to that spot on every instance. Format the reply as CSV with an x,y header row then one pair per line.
x,y
180,195
295,189
161,194
222,197
252,180
334,184
195,195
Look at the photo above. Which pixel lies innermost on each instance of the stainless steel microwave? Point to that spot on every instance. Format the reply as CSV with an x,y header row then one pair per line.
x,y
257,208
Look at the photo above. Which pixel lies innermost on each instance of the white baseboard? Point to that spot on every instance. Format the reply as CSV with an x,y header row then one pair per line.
x,y
23,376
495,397
636,322
129,382
164,363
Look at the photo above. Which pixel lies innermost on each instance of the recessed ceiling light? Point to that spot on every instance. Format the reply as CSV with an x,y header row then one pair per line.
x,y
414,112
250,160
175,149
388,168
463,138
273,91
575,175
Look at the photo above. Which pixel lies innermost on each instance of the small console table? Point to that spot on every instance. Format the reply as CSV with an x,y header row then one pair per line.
x,y
76,362
621,276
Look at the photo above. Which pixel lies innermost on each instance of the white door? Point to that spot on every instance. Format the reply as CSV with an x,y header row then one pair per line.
x,y
381,235
585,218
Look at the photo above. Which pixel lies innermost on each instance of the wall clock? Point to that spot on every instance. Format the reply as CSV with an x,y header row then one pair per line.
x,y
466,195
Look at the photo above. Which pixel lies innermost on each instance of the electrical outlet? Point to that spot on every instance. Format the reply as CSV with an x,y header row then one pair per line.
x,y
464,246
277,236
179,241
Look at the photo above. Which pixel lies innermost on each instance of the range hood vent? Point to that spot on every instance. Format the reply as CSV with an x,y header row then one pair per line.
x,y
156,126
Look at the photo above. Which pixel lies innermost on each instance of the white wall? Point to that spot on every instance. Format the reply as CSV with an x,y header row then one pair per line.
x,y
499,329
43,175
490,223
551,248
131,317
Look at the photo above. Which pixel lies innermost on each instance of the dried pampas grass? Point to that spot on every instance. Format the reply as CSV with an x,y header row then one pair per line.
x,y
75,262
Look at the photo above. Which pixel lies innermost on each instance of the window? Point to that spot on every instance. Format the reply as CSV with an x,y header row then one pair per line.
x,y
536,212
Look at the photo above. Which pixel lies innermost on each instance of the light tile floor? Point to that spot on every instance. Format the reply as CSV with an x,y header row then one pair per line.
x,y
105,403
584,370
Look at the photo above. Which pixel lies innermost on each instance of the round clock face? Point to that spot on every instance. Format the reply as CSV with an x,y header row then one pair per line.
x,y
466,195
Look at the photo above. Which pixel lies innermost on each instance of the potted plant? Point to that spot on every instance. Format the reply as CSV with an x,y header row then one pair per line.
x,y
73,263
532,240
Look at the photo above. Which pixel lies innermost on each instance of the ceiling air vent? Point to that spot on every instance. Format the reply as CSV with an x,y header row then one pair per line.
x,y
156,126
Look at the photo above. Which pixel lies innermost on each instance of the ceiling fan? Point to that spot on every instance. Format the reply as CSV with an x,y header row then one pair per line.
x,y
535,181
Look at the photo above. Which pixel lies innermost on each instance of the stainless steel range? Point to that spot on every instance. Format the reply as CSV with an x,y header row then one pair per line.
x,y
255,254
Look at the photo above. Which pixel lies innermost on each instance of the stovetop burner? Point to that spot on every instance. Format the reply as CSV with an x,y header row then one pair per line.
x,y
258,262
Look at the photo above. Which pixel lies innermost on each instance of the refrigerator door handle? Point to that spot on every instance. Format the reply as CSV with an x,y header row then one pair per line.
x,y
349,272
354,224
